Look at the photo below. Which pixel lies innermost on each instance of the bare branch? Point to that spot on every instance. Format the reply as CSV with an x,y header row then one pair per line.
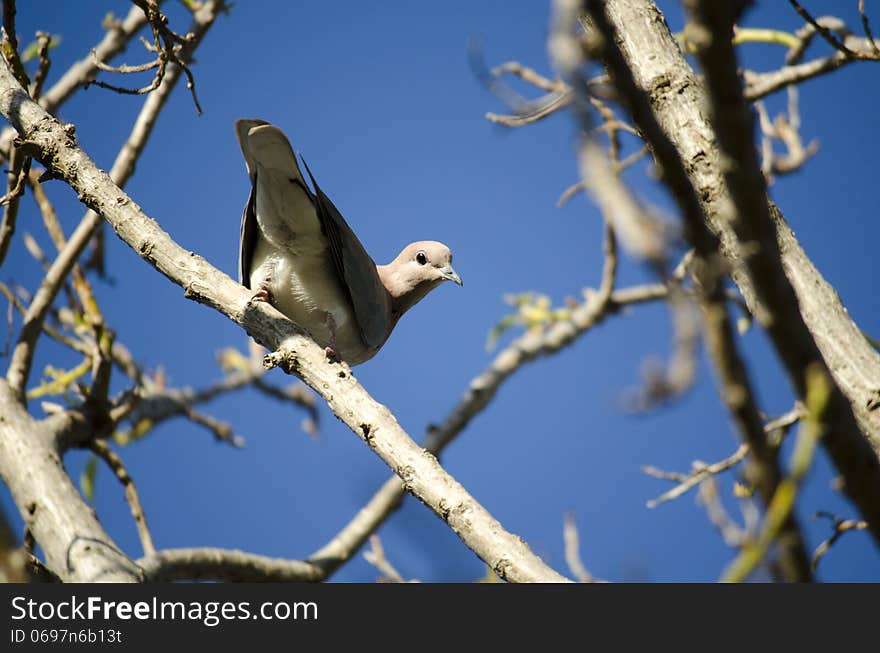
x,y
734,384
572,550
759,85
786,129
508,555
168,46
527,74
79,74
45,42
777,308
18,171
114,462
700,471
10,44
840,527
376,557
224,564
534,111
780,507
823,31
74,543
709,497
866,26
22,357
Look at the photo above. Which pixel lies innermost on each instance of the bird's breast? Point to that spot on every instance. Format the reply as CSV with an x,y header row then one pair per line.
x,y
307,289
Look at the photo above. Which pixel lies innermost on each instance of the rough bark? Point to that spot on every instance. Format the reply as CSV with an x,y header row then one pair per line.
x,y
75,545
680,104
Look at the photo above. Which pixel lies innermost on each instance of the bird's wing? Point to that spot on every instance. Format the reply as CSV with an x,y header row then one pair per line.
x,y
248,240
242,131
287,215
372,305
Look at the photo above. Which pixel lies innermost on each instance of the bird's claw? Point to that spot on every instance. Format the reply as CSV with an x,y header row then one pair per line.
x,y
263,294
332,355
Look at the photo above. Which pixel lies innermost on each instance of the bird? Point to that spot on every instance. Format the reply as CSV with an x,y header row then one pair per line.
x,y
298,253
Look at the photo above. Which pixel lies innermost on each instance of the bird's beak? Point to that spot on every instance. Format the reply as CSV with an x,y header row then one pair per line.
x,y
450,274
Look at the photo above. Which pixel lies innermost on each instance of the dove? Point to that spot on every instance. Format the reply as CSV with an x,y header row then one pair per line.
x,y
298,253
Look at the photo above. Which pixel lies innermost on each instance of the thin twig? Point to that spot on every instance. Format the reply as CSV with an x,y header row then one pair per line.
x,y
18,171
529,75
78,75
376,557
824,32
45,63
19,162
225,564
866,26
779,508
840,527
533,111
168,46
22,356
572,550
700,471
114,462
786,129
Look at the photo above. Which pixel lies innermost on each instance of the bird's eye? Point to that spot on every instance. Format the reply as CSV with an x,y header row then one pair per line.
x,y
421,259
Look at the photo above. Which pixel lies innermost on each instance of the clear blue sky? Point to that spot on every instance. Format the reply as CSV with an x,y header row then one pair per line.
x,y
380,99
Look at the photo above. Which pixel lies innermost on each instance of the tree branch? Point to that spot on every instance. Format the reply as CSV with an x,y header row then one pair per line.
x,y
75,544
225,564
83,71
221,564
123,167
508,555
776,304
114,462
734,384
679,101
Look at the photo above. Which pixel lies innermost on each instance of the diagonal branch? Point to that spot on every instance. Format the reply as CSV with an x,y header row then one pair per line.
x,y
123,167
221,564
507,554
734,384
776,306
75,545
679,102
114,462
80,73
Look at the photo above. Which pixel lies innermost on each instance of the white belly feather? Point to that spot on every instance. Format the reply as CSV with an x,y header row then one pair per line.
x,y
305,288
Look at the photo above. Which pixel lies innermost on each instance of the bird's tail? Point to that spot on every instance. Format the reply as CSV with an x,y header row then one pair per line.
x,y
265,143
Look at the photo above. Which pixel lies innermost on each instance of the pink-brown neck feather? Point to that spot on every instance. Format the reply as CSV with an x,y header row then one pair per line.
x,y
404,293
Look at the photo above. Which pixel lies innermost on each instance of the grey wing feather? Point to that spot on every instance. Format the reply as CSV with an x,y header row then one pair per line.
x,y
357,269
249,235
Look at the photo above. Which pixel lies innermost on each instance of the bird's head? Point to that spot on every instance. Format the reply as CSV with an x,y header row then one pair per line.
x,y
418,269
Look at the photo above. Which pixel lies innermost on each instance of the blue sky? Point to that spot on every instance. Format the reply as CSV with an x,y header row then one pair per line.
x,y
380,99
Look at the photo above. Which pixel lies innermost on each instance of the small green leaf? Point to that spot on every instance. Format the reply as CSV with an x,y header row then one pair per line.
x,y
32,50
87,478
498,330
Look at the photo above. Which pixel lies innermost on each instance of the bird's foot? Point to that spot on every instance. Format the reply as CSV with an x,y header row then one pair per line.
x,y
332,355
263,293
332,350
